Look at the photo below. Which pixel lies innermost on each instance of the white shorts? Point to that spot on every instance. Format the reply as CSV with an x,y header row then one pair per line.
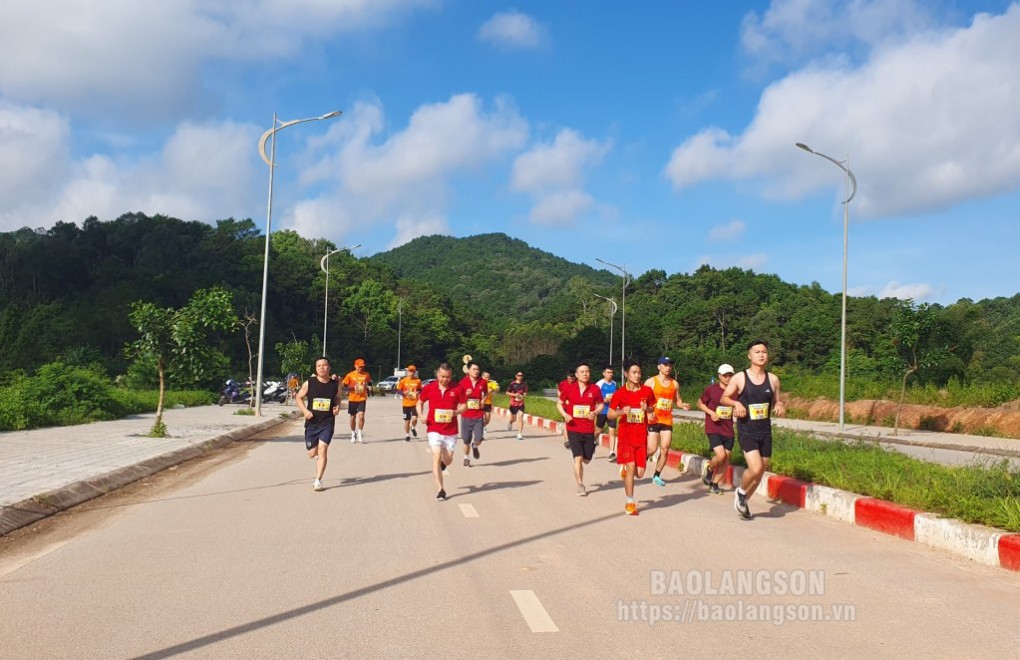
x,y
438,440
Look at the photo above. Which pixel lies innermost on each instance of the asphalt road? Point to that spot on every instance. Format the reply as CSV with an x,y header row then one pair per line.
x,y
236,556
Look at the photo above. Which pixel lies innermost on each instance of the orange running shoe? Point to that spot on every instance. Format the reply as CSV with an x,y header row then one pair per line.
x,y
631,508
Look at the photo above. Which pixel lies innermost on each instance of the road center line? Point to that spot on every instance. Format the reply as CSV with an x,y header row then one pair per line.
x,y
468,510
534,614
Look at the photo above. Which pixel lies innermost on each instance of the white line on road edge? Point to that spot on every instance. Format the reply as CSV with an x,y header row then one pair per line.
x,y
468,510
534,614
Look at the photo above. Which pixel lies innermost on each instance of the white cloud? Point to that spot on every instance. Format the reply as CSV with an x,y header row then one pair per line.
x,y
513,29
929,123
553,175
728,232
123,57
410,228
33,148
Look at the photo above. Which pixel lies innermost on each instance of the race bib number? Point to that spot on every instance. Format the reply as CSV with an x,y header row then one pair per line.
x,y
444,416
758,411
473,404
636,416
321,405
609,397
411,394
663,403
581,411
724,412
359,388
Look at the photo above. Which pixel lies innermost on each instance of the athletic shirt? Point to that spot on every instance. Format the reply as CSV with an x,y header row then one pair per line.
x,y
442,415
607,388
758,401
632,429
711,398
320,401
409,387
358,386
664,399
579,404
472,395
517,388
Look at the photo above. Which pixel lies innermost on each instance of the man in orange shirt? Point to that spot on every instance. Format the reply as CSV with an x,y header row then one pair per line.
x,y
357,384
660,427
410,386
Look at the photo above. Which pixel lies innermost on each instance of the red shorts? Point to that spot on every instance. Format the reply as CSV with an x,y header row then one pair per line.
x,y
628,453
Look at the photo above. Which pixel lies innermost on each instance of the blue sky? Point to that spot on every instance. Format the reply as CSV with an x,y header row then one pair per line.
x,y
654,135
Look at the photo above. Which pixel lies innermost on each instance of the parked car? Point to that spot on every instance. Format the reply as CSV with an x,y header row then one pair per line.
x,y
388,384
427,381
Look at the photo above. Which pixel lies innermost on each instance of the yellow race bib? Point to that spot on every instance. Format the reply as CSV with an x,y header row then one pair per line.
x,y
321,405
581,411
724,412
473,404
663,403
359,388
444,416
758,411
636,416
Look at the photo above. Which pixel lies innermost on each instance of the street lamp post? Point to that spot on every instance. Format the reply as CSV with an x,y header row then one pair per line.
x,y
324,265
271,161
849,189
623,314
400,325
612,315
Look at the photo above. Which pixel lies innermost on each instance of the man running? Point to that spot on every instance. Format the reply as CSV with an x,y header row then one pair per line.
x,y
718,428
409,386
473,390
487,404
660,428
443,399
517,390
580,404
320,421
754,395
607,386
631,406
357,384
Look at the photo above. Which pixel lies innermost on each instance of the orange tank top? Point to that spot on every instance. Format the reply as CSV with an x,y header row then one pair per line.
x,y
665,396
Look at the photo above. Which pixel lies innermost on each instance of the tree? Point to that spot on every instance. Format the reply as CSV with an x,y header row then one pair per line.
x,y
913,330
295,356
177,339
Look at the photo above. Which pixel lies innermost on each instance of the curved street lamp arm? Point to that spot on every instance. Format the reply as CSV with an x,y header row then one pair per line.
x,y
285,124
610,301
838,163
322,262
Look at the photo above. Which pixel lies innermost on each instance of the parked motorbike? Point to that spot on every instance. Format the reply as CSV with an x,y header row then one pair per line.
x,y
232,392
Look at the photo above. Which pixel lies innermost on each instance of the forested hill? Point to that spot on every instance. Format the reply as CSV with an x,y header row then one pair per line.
x,y
495,278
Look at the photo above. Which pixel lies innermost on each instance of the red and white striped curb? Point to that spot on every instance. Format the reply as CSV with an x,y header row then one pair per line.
x,y
985,545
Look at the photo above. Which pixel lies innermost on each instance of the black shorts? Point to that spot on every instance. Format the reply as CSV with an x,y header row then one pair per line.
x,y
581,444
749,443
354,407
409,411
602,420
516,409
715,440
487,407
320,432
656,428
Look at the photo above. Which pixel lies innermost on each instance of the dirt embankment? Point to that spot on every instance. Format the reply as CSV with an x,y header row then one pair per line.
x,y
1004,420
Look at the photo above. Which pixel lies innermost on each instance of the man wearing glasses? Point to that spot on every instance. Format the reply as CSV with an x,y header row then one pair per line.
x,y
517,390
718,428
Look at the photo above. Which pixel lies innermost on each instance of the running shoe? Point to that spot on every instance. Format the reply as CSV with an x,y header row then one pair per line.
x,y
612,457
467,462
316,485
361,437
706,474
440,496
631,509
520,437
474,452
354,437
657,480
714,489
414,432
740,504
581,492
407,438
510,425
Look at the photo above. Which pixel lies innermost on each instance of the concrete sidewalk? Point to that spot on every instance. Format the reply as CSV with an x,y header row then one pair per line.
x,y
44,471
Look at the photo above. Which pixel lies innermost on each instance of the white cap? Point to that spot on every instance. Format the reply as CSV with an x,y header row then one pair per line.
x,y
725,369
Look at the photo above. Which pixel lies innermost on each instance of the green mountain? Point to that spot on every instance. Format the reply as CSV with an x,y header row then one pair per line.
x,y
493,278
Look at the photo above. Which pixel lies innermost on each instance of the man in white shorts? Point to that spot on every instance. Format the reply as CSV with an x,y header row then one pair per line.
x,y
442,398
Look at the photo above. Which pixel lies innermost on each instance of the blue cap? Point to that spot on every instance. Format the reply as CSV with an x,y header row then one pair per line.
x,y
665,360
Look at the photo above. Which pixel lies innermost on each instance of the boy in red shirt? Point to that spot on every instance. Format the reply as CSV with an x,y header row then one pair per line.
x,y
631,406
579,404
443,399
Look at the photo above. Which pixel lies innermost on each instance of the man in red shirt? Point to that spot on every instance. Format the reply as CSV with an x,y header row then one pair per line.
x,y
579,403
473,390
443,399
631,405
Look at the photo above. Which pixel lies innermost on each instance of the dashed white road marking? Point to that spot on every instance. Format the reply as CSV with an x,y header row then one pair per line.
x,y
534,614
468,510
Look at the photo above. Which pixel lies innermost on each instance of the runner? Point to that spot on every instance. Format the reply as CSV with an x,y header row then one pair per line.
x,y
631,405
517,390
718,428
487,404
293,383
754,395
441,423
607,386
660,428
357,384
473,390
580,404
409,386
320,421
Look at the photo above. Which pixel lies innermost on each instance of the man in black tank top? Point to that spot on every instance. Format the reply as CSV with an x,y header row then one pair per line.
x,y
323,393
754,395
